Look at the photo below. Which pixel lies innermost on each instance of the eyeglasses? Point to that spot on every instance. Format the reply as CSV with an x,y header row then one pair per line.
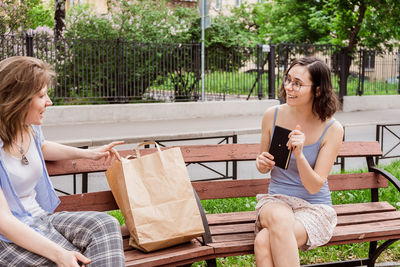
x,y
296,85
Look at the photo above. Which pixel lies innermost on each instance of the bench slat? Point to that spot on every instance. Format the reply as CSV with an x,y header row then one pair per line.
x,y
360,149
381,218
368,218
104,201
347,214
234,237
350,181
95,201
369,239
361,231
251,187
204,153
233,246
167,256
357,208
232,217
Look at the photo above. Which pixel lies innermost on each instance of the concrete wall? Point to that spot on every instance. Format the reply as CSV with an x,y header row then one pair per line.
x,y
175,111
153,111
376,102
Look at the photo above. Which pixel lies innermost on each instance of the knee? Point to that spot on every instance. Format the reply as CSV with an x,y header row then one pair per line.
x,y
103,222
276,220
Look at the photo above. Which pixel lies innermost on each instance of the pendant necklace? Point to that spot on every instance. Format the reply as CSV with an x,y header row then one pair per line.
x,y
24,160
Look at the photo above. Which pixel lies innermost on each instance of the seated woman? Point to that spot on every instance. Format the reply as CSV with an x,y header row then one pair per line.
x,y
297,211
30,233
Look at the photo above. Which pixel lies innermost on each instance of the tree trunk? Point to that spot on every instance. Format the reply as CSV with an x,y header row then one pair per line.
x,y
347,57
59,18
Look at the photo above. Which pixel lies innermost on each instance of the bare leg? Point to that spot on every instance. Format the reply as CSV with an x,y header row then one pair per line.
x,y
286,234
262,249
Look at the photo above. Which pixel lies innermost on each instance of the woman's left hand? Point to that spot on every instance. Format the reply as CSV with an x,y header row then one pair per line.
x,y
296,141
107,151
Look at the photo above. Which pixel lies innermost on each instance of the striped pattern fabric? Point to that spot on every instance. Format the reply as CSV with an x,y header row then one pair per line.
x,y
96,235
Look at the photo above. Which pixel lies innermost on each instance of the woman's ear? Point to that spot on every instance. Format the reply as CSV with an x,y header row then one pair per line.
x,y
317,91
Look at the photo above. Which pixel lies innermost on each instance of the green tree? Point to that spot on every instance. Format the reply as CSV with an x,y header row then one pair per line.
x,y
284,21
367,23
349,23
370,24
19,16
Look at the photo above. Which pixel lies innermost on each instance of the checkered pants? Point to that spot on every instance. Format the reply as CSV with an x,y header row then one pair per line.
x,y
96,235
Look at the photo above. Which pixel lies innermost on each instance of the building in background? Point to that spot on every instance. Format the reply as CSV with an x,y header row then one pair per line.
x,y
100,6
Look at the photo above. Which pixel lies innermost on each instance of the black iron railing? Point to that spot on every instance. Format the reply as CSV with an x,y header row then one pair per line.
x,y
121,71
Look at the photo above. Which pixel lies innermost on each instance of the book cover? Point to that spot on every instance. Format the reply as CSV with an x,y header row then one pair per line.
x,y
278,147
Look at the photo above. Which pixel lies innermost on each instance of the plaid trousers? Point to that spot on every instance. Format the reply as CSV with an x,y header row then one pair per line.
x,y
96,235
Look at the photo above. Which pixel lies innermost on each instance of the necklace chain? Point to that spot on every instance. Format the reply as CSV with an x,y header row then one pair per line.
x,y
24,160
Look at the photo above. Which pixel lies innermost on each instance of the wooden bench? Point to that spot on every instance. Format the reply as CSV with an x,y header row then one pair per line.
x,y
232,234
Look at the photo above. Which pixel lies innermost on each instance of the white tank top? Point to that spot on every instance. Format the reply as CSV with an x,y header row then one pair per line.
x,y
25,177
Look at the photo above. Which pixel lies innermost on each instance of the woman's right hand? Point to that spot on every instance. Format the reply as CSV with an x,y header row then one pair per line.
x,y
265,162
71,258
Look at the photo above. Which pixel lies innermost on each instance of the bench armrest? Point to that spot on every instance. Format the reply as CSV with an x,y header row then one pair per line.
x,y
391,178
207,238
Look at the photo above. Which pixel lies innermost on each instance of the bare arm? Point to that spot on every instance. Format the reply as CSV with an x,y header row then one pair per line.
x,y
56,151
24,236
314,179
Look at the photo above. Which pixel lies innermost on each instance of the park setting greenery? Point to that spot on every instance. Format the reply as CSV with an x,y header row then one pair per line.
x,y
102,50
94,45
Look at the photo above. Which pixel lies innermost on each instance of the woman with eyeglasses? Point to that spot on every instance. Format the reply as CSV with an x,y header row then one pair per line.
x,y
30,233
297,211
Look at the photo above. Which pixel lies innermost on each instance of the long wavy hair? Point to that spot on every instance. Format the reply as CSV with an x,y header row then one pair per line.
x,y
325,102
20,79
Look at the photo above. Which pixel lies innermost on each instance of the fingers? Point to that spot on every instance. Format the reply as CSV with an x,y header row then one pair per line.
x,y
113,144
110,148
115,153
82,258
266,160
296,139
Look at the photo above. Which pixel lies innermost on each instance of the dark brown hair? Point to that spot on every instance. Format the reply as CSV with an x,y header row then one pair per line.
x,y
20,79
325,102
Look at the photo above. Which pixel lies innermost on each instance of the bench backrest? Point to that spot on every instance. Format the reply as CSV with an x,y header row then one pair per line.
x,y
103,201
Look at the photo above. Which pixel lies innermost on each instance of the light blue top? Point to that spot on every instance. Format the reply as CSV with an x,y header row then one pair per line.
x,y
288,182
46,196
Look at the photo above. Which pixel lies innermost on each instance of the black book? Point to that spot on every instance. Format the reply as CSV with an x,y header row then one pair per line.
x,y
278,147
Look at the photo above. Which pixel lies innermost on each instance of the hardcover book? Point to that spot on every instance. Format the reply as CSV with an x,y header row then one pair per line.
x,y
278,147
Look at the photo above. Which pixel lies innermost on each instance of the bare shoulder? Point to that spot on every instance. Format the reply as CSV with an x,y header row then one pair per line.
x,y
269,113
335,132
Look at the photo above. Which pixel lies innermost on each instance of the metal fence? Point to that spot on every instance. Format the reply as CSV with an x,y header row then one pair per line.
x,y
120,71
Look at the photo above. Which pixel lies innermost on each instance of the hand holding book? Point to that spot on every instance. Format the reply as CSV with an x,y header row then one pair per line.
x,y
296,141
278,147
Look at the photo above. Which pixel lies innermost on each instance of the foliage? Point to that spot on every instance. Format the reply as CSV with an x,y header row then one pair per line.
x,y
348,23
287,21
40,15
359,23
19,16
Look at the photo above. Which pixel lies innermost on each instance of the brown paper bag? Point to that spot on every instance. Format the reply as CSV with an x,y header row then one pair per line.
x,y
156,198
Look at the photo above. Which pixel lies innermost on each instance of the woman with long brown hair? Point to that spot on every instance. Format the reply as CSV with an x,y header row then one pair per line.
x,y
30,233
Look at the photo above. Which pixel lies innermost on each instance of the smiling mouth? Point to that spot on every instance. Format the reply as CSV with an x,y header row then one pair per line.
x,y
291,96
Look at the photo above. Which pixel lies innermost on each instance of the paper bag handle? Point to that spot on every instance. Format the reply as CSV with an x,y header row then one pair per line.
x,y
146,143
